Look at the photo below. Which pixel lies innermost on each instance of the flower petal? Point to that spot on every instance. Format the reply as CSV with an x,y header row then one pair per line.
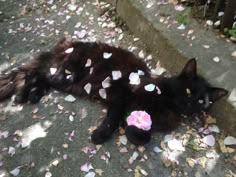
x,y
69,50
69,98
229,140
102,93
53,71
116,75
134,78
106,83
149,87
87,88
209,140
88,63
107,55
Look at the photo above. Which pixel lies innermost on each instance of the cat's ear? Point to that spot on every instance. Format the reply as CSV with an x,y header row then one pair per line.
x,y
190,69
217,93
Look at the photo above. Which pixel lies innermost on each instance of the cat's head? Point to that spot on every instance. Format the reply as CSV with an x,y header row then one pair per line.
x,y
192,93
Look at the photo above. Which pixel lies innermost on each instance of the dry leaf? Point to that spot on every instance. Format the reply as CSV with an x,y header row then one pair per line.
x,y
190,162
99,171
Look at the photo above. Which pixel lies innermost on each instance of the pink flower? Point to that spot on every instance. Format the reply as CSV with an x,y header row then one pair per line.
x,y
140,119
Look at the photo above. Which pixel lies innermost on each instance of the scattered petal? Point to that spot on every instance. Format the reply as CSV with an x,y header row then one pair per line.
x,y
107,55
123,139
70,98
216,59
229,140
88,63
102,93
99,171
116,75
149,87
134,78
15,172
86,167
179,7
48,174
133,157
11,151
53,71
175,144
209,22
214,128
106,83
233,54
206,46
157,149
209,140
69,50
181,27
90,174
87,88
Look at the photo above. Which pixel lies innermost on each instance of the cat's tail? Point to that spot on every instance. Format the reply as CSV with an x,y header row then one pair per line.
x,y
12,82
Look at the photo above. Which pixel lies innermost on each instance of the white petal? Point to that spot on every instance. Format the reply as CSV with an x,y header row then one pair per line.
x,y
88,63
91,71
86,167
90,174
175,144
87,88
107,55
70,98
106,83
141,73
214,128
181,27
134,78
123,139
116,75
168,138
216,59
158,90
230,140
53,71
209,140
102,93
11,151
149,87
69,50
179,7
15,172
157,149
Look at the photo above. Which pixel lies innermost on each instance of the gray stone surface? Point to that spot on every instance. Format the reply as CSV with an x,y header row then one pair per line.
x,y
42,134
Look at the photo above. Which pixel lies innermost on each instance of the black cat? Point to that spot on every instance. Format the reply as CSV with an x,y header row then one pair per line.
x,y
123,82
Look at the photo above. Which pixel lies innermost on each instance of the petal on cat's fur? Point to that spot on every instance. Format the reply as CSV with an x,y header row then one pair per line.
x,y
116,75
87,88
134,79
53,71
102,93
107,55
106,83
70,50
149,87
88,63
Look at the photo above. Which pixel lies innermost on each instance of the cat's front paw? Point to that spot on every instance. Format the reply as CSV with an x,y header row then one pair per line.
x,y
137,136
100,135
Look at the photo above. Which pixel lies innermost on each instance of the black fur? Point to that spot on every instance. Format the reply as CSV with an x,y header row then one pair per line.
x,y
184,94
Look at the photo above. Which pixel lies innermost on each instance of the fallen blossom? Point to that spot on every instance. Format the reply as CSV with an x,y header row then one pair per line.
x,y
15,172
133,157
149,87
175,144
90,174
214,128
86,167
11,151
71,118
134,78
71,135
102,93
4,134
157,149
70,98
181,27
80,34
106,82
69,50
87,88
179,7
88,63
229,140
53,71
123,139
209,22
216,59
48,174
141,54
99,171
209,140
116,75
140,119
65,157
107,55
233,54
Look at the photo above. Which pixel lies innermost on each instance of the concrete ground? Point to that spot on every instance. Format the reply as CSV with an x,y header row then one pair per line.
x,y
51,138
